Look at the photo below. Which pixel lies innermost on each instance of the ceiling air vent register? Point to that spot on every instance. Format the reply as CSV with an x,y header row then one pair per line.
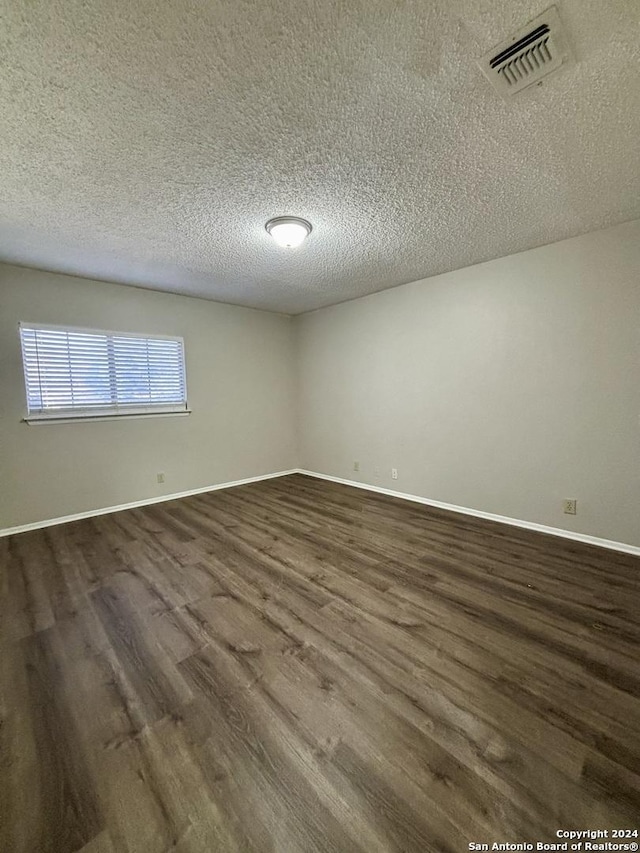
x,y
529,55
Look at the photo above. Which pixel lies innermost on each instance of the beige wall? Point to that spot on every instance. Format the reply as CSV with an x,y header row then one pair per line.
x,y
241,389
504,387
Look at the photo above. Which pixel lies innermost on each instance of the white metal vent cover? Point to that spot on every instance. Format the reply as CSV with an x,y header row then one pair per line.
x,y
529,55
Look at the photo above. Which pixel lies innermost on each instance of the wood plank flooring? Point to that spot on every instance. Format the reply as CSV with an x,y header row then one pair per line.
x,y
295,665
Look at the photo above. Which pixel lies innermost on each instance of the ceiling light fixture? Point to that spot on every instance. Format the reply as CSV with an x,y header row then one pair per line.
x,y
288,231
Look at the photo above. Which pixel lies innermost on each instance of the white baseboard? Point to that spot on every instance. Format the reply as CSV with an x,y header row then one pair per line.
x,y
490,516
50,522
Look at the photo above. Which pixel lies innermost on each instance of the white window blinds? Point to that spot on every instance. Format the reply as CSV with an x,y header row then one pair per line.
x,y
84,372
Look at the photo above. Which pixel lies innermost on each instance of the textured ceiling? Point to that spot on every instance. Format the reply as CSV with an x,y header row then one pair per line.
x,y
148,143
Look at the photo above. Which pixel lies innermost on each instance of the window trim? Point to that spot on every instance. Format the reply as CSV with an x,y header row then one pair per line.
x,y
118,412
38,420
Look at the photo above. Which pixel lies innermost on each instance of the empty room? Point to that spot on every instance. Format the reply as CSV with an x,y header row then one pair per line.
x,y
319,426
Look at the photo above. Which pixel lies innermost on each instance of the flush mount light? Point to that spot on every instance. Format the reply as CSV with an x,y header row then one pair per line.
x,y
288,231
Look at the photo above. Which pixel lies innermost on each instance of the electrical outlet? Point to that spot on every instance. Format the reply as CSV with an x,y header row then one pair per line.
x,y
376,472
570,506
160,476
356,466
394,473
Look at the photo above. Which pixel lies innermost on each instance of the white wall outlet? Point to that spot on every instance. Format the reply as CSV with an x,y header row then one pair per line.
x,y
394,473
356,466
160,476
570,506
376,472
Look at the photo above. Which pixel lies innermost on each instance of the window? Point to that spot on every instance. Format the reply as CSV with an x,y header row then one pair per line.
x,y
81,373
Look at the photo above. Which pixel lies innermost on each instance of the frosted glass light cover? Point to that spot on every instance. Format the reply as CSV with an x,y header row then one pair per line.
x,y
288,231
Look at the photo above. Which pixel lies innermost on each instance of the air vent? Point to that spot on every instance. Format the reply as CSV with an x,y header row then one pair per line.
x,y
529,55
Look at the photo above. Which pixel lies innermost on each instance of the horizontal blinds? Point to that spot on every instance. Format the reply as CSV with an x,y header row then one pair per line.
x,y
74,370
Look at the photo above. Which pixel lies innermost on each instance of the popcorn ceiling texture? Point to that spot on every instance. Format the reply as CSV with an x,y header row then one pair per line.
x,y
148,143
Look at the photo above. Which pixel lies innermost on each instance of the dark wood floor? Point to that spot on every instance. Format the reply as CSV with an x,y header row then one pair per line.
x,y
300,666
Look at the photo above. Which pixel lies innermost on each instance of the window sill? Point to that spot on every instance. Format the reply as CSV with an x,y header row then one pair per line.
x,y
38,421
